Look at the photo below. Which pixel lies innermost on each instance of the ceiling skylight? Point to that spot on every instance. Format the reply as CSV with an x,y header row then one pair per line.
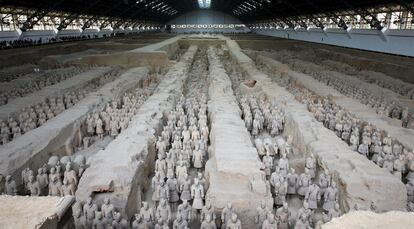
x,y
204,4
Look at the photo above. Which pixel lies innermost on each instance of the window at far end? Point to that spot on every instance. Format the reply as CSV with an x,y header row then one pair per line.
x,y
204,4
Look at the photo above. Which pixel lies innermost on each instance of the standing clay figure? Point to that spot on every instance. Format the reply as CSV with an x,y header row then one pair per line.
x,y
333,213
304,182
43,181
172,184
55,187
77,216
261,214
185,189
310,164
226,215
10,186
163,191
410,190
292,180
302,223
283,216
67,189
89,210
26,173
180,223
90,125
33,186
99,128
280,192
268,164
208,223
197,194
275,177
147,215
202,181
306,213
388,163
107,210
270,222
119,222
163,211
330,197
283,164
155,184
184,210
233,222
313,196
98,222
138,223
363,148
207,210
161,225
198,158
161,167
324,181
71,177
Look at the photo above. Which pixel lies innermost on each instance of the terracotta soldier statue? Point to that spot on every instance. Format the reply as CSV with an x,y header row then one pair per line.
x,y
10,186
77,215
197,194
147,215
71,177
304,182
313,196
208,223
107,211
33,186
89,209
261,214
99,222
226,214
234,222
185,211
163,211
43,181
119,222
283,216
207,210
55,187
270,222
180,223
330,197
292,180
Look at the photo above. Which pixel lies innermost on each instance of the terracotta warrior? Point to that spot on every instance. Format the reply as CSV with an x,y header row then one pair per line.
x,y
292,180
270,222
10,186
283,216
208,223
180,223
147,215
89,210
261,214
107,210
55,187
197,194
313,196
233,222
226,215
304,182
33,186
207,210
163,211
330,197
